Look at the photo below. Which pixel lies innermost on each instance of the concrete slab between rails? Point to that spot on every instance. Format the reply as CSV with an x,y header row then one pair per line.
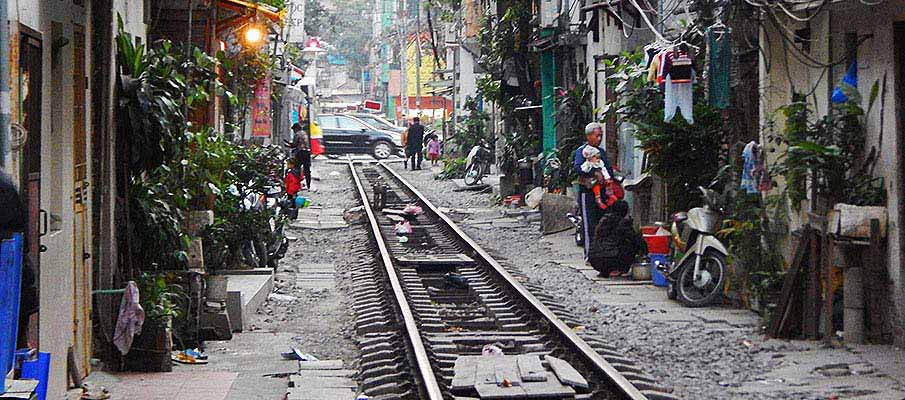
x,y
245,293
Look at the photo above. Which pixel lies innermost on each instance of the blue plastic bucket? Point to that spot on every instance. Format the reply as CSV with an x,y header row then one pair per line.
x,y
10,282
657,276
39,370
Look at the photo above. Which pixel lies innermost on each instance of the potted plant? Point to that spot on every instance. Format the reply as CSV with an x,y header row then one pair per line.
x,y
161,301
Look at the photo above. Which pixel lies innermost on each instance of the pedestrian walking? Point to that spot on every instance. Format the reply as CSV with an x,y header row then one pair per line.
x,y
616,242
415,142
433,149
301,149
587,203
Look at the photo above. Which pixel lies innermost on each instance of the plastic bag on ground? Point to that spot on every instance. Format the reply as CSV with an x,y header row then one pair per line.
x,y
403,228
534,197
412,209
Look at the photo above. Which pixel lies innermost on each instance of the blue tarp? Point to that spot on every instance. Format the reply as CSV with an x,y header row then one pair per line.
x,y
850,79
10,284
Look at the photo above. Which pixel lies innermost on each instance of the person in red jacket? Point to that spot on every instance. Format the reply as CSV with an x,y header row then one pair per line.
x,y
293,179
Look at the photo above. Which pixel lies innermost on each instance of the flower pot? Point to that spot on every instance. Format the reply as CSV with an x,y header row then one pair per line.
x,y
151,349
216,288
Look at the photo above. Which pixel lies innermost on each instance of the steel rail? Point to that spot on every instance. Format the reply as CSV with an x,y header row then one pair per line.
x,y
425,370
627,388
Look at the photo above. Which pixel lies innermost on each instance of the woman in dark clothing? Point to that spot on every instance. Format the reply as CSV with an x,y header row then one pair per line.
x,y
616,243
14,218
301,150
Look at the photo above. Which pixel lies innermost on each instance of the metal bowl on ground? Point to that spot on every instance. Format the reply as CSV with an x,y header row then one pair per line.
x,y
641,271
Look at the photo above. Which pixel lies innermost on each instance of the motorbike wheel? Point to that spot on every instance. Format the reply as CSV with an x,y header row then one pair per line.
x,y
250,255
700,294
472,174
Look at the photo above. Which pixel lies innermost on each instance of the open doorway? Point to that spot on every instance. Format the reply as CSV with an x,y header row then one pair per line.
x,y
29,95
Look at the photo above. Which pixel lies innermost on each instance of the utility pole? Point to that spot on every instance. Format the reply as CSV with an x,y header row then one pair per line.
x,y
418,58
403,56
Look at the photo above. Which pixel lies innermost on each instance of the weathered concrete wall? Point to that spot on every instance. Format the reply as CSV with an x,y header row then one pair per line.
x,y
64,307
782,72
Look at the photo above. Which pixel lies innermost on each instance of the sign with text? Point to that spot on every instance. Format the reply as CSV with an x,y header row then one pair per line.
x,y
373,105
295,21
260,109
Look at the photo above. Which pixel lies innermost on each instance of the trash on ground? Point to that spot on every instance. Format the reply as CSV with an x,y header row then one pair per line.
x,y
412,209
354,215
534,197
297,355
491,350
403,228
183,358
281,297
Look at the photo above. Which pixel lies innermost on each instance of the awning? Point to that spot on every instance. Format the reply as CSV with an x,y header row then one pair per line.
x,y
243,7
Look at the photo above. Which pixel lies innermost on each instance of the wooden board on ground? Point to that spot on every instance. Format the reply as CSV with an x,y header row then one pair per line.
x,y
492,391
781,320
464,372
546,389
566,373
506,370
530,368
435,259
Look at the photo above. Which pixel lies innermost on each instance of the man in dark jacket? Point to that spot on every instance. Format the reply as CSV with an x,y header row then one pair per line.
x,y
13,219
415,142
587,204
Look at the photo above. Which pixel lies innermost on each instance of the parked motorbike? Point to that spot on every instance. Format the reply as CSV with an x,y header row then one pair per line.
x,y
268,251
477,164
699,276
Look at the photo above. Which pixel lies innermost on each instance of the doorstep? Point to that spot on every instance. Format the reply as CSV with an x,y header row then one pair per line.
x,y
245,294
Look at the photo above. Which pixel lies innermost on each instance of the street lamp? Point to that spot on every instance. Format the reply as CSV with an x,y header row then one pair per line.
x,y
253,35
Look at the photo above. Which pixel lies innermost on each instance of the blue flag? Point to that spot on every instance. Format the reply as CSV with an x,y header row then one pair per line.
x,y
850,79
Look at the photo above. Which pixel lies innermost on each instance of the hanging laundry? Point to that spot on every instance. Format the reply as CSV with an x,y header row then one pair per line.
x,y
678,65
677,70
130,320
761,174
849,82
681,96
719,68
653,69
749,154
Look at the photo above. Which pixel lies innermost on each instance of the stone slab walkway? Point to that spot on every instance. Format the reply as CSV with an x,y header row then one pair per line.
x,y
319,218
801,369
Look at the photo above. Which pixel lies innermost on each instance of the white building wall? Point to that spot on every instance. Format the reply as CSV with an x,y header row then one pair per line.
x,y
876,59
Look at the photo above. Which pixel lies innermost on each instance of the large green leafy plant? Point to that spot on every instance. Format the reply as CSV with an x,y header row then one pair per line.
x,y
827,154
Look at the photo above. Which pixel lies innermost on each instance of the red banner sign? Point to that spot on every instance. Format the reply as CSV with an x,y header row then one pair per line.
x,y
373,105
260,109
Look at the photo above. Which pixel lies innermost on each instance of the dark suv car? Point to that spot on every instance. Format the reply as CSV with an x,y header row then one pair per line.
x,y
345,134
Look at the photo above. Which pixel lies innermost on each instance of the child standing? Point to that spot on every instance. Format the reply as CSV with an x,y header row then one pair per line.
x,y
293,183
433,150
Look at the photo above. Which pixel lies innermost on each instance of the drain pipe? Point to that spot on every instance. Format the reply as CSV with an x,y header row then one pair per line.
x,y
5,136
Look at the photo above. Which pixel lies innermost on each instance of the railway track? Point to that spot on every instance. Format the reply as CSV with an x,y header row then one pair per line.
x,y
428,305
